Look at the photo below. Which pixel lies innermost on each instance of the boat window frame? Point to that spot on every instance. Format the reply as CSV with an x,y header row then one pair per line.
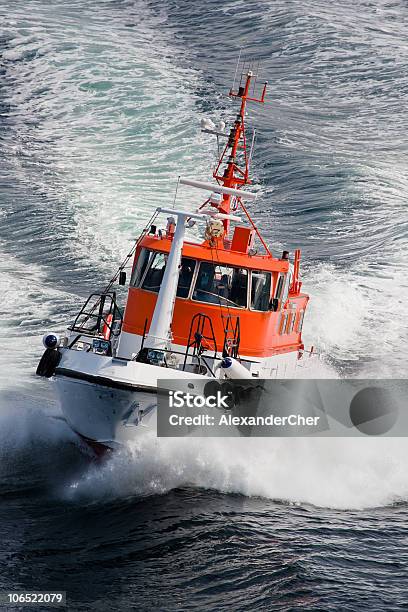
x,y
286,287
299,325
141,281
290,325
225,265
193,278
146,272
142,277
250,290
282,322
281,275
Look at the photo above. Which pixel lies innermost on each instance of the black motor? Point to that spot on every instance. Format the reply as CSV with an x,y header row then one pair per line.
x,y
51,356
48,363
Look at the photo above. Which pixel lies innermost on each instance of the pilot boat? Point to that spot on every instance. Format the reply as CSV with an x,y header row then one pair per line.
x,y
219,305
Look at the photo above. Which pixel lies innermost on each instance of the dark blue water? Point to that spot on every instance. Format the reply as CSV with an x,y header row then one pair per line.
x,y
100,106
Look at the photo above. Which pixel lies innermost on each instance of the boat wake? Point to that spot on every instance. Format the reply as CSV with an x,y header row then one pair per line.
x,y
39,451
336,473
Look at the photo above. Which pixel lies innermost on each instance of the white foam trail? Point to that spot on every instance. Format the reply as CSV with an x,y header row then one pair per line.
x,y
335,473
357,314
117,120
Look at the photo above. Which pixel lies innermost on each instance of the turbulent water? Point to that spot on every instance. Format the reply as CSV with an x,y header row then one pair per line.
x,y
100,106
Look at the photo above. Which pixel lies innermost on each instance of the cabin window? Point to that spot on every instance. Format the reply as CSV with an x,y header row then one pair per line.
x,y
291,322
186,276
282,289
283,321
140,267
260,290
300,321
218,284
155,273
285,291
279,286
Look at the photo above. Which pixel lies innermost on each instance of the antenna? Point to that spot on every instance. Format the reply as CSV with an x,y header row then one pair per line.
x,y
175,194
251,149
236,68
256,72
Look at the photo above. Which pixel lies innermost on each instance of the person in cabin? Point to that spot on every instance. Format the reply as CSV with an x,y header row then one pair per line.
x,y
185,278
223,287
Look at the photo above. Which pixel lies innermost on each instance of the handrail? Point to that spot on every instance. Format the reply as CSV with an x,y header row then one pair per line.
x,y
231,344
196,337
107,319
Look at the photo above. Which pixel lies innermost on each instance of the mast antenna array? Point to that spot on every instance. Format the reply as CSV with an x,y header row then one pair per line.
x,y
232,167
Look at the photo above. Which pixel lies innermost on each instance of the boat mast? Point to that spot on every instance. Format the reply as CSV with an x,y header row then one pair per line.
x,y
159,336
235,176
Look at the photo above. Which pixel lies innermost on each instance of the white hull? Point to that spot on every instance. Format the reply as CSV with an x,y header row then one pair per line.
x,y
112,401
109,401
104,415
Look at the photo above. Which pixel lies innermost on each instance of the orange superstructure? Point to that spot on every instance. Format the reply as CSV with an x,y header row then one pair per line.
x,y
263,333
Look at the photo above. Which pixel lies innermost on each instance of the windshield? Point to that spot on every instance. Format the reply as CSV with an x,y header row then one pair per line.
x,y
218,284
157,266
260,290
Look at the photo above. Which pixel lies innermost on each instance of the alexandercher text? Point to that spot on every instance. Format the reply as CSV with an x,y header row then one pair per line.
x,y
271,420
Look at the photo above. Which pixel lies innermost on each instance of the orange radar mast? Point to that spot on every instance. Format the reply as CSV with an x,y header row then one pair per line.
x,y
235,153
